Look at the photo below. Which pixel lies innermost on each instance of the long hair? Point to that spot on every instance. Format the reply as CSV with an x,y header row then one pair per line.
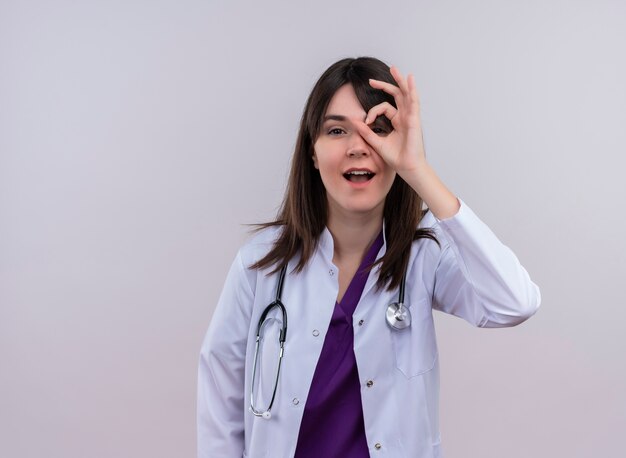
x,y
304,210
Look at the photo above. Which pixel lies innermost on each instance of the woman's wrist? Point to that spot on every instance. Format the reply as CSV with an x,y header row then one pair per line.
x,y
425,182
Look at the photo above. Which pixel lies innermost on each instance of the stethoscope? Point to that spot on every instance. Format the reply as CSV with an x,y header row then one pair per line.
x,y
398,317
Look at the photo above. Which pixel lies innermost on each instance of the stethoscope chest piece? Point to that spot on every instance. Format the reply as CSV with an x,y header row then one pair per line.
x,y
398,316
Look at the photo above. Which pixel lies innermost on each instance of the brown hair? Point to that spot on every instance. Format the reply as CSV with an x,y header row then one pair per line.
x,y
304,211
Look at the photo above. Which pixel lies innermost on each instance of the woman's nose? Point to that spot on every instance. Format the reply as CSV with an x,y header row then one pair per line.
x,y
358,146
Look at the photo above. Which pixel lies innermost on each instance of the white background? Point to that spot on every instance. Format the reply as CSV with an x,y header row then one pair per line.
x,y
137,137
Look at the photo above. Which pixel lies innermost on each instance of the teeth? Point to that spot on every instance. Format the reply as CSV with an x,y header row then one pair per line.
x,y
358,172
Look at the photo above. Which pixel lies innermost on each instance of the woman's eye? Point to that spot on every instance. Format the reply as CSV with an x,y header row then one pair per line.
x,y
335,131
380,130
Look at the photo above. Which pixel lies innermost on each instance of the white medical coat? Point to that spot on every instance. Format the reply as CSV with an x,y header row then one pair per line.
x,y
473,276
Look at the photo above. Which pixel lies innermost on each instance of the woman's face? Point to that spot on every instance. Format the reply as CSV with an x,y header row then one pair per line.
x,y
356,178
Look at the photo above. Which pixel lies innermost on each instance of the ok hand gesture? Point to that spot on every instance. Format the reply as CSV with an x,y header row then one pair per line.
x,y
402,149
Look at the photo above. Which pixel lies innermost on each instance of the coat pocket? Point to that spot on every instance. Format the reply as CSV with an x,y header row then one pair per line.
x,y
415,347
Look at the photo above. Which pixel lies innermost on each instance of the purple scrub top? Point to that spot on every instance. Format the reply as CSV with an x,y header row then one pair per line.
x,y
332,423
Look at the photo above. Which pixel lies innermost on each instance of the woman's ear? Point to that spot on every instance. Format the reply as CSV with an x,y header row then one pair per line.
x,y
314,157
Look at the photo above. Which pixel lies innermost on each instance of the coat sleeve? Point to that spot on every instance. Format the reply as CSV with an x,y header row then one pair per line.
x,y
221,371
478,278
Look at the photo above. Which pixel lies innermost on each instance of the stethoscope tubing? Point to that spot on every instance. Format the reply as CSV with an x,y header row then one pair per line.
x,y
281,341
398,317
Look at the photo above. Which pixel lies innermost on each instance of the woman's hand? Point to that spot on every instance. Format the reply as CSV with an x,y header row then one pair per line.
x,y
402,149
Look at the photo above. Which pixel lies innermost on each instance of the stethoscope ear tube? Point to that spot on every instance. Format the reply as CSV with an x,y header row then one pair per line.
x,y
266,414
279,303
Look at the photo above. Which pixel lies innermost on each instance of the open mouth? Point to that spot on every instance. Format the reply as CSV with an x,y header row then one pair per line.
x,y
358,176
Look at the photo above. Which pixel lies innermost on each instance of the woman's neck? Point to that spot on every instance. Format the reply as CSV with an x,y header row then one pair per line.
x,y
352,236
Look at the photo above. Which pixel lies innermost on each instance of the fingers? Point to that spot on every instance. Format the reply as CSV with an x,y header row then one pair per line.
x,y
405,94
373,139
389,88
384,108
412,90
399,79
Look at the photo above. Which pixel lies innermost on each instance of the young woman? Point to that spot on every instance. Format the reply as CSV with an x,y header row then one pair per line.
x,y
359,373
